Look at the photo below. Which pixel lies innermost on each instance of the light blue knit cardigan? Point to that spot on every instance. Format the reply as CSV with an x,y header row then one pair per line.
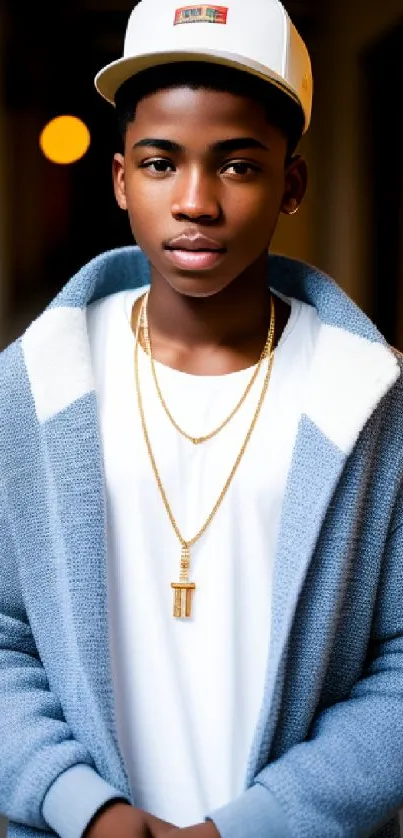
x,y
327,757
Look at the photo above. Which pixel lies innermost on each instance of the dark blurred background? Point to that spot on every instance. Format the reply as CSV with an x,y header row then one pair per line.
x,y
54,218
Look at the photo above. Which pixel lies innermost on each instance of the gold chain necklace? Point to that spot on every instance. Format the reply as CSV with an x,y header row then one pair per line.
x,y
197,440
184,589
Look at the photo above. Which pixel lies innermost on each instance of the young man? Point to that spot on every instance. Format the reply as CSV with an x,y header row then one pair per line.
x,y
202,485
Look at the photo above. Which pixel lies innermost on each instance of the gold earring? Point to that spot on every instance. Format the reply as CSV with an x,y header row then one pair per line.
x,y
292,212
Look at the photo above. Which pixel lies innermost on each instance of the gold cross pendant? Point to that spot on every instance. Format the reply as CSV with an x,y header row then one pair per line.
x,y
183,590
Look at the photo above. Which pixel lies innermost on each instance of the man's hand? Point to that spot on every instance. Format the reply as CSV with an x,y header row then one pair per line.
x,y
120,820
201,830
159,828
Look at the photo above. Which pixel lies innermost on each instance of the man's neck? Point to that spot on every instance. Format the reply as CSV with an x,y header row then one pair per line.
x,y
215,335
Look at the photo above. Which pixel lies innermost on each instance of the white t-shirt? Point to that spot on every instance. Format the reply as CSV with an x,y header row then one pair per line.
x,y
188,693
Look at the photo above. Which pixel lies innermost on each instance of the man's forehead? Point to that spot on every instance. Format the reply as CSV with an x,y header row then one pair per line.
x,y
213,120
201,107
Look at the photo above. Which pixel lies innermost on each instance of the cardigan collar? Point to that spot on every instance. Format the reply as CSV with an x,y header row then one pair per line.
x,y
353,367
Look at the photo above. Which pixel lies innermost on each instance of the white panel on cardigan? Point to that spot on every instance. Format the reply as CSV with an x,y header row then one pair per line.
x,y
58,360
349,376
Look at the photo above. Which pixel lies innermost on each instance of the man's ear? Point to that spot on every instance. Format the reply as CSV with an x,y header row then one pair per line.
x,y
296,180
118,175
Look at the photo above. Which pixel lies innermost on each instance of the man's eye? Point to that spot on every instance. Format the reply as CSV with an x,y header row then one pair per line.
x,y
240,168
158,166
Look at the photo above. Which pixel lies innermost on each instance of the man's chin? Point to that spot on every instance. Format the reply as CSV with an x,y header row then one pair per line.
x,y
198,285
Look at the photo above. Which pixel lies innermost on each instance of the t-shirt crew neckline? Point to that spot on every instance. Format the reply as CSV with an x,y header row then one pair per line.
x,y
295,311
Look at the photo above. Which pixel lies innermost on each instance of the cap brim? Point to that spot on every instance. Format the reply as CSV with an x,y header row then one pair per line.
x,y
110,78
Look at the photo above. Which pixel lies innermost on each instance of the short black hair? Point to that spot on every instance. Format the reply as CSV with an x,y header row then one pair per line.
x,y
281,110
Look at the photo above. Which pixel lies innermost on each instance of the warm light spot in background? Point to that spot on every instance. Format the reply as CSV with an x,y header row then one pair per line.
x,y
65,139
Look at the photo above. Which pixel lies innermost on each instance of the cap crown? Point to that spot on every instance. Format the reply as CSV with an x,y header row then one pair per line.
x,y
257,36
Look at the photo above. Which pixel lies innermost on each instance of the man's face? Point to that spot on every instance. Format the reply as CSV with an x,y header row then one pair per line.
x,y
203,178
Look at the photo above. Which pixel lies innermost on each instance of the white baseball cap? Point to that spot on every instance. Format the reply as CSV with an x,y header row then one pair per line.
x,y
256,36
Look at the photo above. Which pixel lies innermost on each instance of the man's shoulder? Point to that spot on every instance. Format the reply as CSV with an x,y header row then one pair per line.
x,y
17,412
11,365
105,275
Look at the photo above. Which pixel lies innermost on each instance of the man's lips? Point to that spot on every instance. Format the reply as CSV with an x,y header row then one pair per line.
x,y
194,251
194,260
193,242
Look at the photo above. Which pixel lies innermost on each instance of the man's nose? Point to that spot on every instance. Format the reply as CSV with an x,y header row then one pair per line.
x,y
195,196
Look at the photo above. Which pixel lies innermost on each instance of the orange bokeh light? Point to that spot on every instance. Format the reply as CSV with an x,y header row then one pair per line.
x,y
65,139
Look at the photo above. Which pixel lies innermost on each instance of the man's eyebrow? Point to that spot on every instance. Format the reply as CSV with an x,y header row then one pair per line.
x,y
223,146
163,145
237,144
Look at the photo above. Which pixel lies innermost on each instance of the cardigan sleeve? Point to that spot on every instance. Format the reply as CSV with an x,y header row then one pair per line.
x,y
347,778
40,759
